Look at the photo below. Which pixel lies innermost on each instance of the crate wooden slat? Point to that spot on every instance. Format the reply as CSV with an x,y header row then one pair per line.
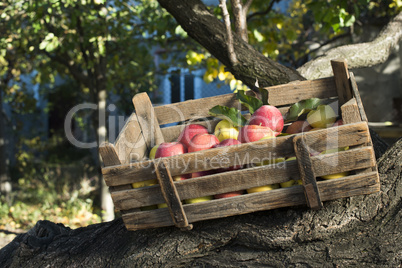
x,y
246,178
284,197
347,135
126,161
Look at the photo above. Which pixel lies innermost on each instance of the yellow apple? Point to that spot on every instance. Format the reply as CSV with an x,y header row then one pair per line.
x,y
225,130
263,188
322,117
288,184
336,175
163,205
153,152
141,184
198,199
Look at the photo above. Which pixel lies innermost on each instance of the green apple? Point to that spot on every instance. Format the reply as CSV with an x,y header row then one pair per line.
x,y
322,117
263,188
225,130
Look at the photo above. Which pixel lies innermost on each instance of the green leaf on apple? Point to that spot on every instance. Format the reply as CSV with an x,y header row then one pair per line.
x,y
231,114
301,107
252,103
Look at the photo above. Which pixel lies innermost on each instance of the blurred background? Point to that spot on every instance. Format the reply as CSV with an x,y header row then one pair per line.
x,y
69,69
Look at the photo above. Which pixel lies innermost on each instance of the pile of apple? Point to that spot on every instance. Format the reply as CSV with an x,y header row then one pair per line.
x,y
266,122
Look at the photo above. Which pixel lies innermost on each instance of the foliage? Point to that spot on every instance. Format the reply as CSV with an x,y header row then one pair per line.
x,y
49,191
294,34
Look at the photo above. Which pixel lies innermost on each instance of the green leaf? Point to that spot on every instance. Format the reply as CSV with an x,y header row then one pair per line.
x,y
231,114
301,107
252,103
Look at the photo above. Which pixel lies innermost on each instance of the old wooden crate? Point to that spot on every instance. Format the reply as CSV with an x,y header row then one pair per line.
x,y
125,161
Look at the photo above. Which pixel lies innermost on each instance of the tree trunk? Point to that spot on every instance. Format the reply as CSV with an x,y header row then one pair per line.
x,y
206,29
357,231
5,185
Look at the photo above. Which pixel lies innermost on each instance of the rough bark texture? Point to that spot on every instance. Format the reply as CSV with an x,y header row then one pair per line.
x,y
358,55
206,29
362,231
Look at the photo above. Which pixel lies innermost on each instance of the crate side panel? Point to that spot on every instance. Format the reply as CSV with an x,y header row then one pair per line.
x,y
318,141
296,91
284,197
246,178
194,109
130,144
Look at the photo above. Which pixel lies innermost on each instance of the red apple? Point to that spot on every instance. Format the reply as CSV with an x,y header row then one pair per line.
x,y
189,132
338,122
166,149
226,195
228,142
298,127
202,142
268,116
250,133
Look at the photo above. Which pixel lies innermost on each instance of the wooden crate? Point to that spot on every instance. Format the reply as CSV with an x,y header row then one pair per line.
x,y
125,161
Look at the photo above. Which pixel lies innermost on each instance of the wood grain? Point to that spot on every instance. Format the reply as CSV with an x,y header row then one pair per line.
x,y
307,173
350,112
219,208
277,96
247,178
356,94
291,93
147,120
341,75
171,196
346,135
130,144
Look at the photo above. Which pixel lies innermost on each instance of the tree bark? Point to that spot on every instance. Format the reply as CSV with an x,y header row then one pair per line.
x,y
358,55
363,231
206,29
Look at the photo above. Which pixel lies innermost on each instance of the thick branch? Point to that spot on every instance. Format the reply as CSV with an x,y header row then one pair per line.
x,y
358,55
207,30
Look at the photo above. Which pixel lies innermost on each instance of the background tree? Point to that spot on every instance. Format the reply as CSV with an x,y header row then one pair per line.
x,y
104,47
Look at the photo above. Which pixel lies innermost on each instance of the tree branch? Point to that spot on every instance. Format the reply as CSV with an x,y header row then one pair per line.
x,y
240,19
264,12
358,55
203,26
226,18
246,6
